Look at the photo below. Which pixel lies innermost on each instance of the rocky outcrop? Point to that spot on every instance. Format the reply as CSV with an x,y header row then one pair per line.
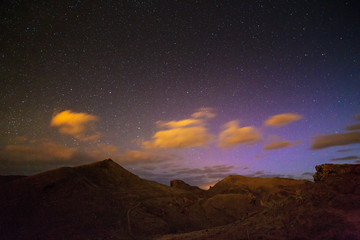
x,y
326,171
342,178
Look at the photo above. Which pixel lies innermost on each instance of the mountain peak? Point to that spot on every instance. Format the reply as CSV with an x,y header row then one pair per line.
x,y
106,171
108,165
104,163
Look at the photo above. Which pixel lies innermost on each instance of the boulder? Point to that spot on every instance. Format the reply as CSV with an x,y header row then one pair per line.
x,y
324,171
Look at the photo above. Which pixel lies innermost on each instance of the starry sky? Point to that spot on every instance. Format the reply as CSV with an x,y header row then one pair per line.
x,y
193,90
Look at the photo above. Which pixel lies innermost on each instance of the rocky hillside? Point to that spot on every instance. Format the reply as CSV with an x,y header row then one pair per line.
x,y
105,201
279,208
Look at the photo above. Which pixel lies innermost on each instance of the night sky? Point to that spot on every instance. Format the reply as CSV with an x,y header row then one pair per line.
x,y
192,90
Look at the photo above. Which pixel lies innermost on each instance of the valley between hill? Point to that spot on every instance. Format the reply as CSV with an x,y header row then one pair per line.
x,y
102,200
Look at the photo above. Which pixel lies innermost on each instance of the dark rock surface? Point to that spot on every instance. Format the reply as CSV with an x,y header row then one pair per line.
x,y
343,178
326,171
105,201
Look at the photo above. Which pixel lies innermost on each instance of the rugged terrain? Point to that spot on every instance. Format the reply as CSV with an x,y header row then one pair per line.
x,y
104,201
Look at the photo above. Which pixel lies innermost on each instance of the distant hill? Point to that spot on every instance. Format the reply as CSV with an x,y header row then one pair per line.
x,y
5,179
102,200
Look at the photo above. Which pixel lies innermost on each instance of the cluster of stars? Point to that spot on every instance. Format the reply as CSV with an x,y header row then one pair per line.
x,y
133,63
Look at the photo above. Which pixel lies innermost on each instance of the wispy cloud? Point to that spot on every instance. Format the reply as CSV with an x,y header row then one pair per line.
x,y
233,135
345,158
338,139
282,119
204,113
39,151
142,157
78,125
206,170
51,152
345,150
180,124
280,144
353,127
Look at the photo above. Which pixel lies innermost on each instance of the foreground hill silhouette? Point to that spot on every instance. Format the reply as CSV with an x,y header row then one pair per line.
x,y
102,200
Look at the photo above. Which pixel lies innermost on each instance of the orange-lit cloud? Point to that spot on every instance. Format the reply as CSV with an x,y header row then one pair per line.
x,y
280,144
190,132
204,113
180,138
282,119
330,140
44,151
233,135
353,127
181,123
135,156
78,125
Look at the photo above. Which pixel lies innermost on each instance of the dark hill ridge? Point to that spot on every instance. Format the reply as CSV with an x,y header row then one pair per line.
x,y
74,203
5,179
241,184
102,200
179,184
